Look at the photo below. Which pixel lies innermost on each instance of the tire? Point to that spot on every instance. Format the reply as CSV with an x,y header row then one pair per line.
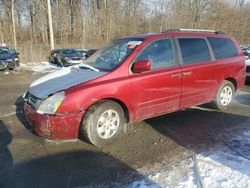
x,y
12,67
97,126
224,96
56,61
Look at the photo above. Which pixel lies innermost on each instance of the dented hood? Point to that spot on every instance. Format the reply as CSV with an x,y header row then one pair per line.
x,y
62,79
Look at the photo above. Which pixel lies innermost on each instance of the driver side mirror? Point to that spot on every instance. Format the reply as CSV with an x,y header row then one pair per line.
x,y
141,66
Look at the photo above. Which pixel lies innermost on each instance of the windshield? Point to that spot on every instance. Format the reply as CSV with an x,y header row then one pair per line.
x,y
81,51
113,54
70,51
4,52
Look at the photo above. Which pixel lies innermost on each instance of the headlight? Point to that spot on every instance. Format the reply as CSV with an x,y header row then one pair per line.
x,y
51,104
16,59
10,59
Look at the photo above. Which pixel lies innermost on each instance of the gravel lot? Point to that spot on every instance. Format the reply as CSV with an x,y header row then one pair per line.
x,y
165,142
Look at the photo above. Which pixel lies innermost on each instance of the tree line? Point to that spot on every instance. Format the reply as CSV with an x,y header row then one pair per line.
x,y
92,23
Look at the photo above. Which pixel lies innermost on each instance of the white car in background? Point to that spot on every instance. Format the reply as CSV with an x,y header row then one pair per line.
x,y
248,67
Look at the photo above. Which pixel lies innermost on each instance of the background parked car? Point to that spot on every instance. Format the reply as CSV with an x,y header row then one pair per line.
x,y
53,54
8,58
68,57
90,52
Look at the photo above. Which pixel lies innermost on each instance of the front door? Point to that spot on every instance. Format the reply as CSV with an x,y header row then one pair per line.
x,y
157,91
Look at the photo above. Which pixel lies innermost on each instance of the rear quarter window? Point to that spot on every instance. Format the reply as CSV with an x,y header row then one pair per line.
x,y
222,48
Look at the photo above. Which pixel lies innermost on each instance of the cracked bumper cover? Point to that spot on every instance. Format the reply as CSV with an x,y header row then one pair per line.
x,y
55,127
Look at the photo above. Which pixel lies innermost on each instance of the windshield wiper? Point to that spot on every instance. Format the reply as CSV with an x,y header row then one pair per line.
x,y
88,67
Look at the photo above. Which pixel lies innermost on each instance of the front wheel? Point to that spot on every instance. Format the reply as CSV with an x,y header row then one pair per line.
x,y
103,123
224,95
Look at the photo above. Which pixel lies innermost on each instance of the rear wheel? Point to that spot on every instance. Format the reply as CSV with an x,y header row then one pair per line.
x,y
224,96
103,123
12,68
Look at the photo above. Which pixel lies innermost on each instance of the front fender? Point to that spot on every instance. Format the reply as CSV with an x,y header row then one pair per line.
x,y
80,98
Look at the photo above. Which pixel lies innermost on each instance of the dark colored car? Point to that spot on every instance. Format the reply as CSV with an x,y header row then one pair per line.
x,y
90,52
69,57
9,58
53,54
133,79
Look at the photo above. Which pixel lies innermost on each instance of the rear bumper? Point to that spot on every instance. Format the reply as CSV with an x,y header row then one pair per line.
x,y
55,127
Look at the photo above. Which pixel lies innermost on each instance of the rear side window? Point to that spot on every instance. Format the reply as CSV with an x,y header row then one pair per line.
x,y
194,50
223,48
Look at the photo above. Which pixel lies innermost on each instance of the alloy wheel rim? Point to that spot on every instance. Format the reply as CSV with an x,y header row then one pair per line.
x,y
226,95
107,124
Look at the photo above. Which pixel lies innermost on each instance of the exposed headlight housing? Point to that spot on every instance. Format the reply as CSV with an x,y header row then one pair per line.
x,y
51,104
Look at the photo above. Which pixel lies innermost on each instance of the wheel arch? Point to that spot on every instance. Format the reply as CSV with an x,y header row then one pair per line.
x,y
233,81
118,101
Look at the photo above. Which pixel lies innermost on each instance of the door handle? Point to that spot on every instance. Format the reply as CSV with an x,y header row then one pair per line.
x,y
176,75
186,74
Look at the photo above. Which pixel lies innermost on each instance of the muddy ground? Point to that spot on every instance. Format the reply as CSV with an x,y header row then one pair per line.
x,y
27,160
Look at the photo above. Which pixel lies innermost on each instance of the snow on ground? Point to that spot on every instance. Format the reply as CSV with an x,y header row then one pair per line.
x,y
226,166
42,67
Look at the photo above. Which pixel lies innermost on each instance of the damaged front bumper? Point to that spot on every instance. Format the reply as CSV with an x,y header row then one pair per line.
x,y
55,127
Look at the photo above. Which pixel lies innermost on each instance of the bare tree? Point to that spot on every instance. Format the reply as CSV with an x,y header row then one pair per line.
x,y
13,23
51,33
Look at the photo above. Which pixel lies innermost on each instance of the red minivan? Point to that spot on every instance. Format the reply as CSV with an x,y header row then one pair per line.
x,y
135,78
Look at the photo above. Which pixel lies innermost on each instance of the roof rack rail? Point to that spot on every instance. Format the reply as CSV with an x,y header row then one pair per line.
x,y
194,30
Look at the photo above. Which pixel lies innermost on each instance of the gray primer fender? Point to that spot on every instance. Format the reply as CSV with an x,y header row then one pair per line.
x,y
60,80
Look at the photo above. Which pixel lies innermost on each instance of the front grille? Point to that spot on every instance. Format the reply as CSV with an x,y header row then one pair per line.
x,y
248,68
